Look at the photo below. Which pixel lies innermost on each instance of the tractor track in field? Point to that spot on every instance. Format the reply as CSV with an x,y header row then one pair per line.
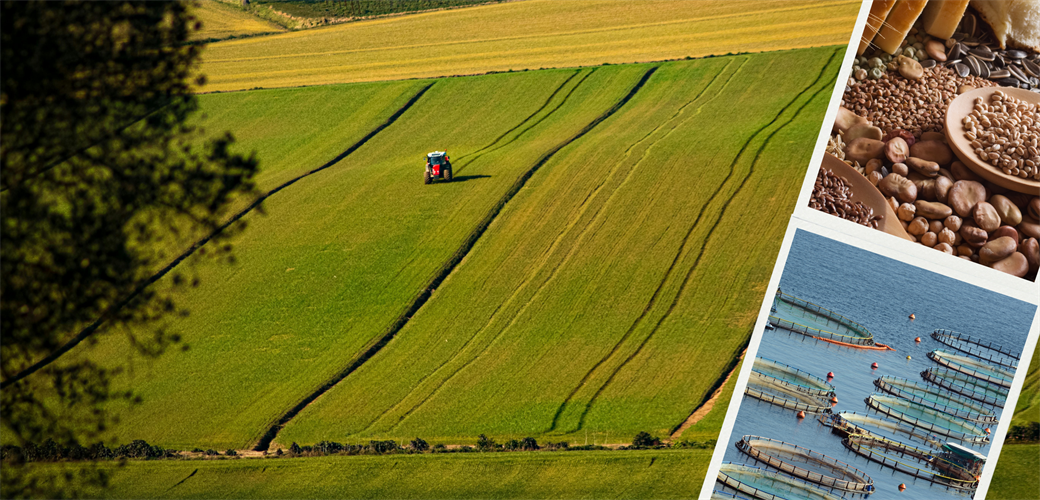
x,y
685,282
420,300
533,125
544,260
617,345
522,122
93,327
183,480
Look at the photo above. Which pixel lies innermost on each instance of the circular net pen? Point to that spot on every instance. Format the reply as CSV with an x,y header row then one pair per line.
x,y
847,424
806,464
923,464
769,485
967,386
979,348
793,377
926,418
800,316
978,369
777,392
936,399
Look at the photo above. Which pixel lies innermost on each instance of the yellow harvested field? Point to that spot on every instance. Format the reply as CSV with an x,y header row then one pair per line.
x,y
524,35
221,21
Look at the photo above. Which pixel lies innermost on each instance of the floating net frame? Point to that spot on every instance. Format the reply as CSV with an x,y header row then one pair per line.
x,y
729,475
974,412
956,340
855,335
967,386
791,399
856,423
764,363
867,447
882,407
969,366
725,495
748,445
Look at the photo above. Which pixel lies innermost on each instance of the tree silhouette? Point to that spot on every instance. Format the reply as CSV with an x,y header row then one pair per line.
x,y
102,181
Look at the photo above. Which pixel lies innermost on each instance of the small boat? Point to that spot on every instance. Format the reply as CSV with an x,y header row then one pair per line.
x,y
793,377
775,391
768,485
967,386
935,398
847,424
916,462
921,416
982,349
806,464
978,369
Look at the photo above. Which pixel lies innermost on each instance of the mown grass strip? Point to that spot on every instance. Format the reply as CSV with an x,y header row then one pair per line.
x,y
89,330
447,268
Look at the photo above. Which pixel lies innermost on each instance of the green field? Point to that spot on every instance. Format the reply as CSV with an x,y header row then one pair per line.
x,y
594,474
607,264
1028,407
523,35
589,320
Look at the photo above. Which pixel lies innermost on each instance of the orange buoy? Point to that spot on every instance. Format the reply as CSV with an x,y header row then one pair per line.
x,y
908,356
918,340
987,430
801,414
873,366
834,400
830,374
911,316
902,486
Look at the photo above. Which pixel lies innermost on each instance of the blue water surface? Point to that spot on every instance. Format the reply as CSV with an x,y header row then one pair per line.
x,y
879,293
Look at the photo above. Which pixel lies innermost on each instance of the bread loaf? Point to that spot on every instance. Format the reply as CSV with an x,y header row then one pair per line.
x,y
1016,23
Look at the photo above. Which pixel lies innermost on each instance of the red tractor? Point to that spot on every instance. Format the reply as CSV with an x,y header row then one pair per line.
x,y
438,166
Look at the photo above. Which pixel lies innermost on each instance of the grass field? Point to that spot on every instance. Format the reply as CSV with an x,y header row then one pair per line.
x,y
522,35
602,240
596,474
340,254
1028,407
545,334
221,21
1016,476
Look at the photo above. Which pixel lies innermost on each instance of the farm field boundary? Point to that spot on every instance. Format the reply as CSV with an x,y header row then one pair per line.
x,y
501,37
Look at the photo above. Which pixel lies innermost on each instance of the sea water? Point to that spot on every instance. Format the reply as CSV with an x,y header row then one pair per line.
x,y
879,293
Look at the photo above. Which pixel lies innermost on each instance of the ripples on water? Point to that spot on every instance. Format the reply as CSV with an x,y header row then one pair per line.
x,y
880,294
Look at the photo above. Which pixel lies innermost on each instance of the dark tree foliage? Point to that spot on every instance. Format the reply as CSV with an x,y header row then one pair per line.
x,y
419,444
645,440
102,183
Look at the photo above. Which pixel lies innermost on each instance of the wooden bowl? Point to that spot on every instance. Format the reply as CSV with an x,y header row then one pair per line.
x,y
865,192
961,146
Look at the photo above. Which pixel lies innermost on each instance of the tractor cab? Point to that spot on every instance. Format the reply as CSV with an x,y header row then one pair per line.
x,y
438,166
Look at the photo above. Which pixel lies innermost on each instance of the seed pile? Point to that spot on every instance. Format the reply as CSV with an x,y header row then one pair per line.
x,y
832,194
893,102
1004,133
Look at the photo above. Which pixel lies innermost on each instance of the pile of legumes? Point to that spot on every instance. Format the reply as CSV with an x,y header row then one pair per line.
x,y
890,128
